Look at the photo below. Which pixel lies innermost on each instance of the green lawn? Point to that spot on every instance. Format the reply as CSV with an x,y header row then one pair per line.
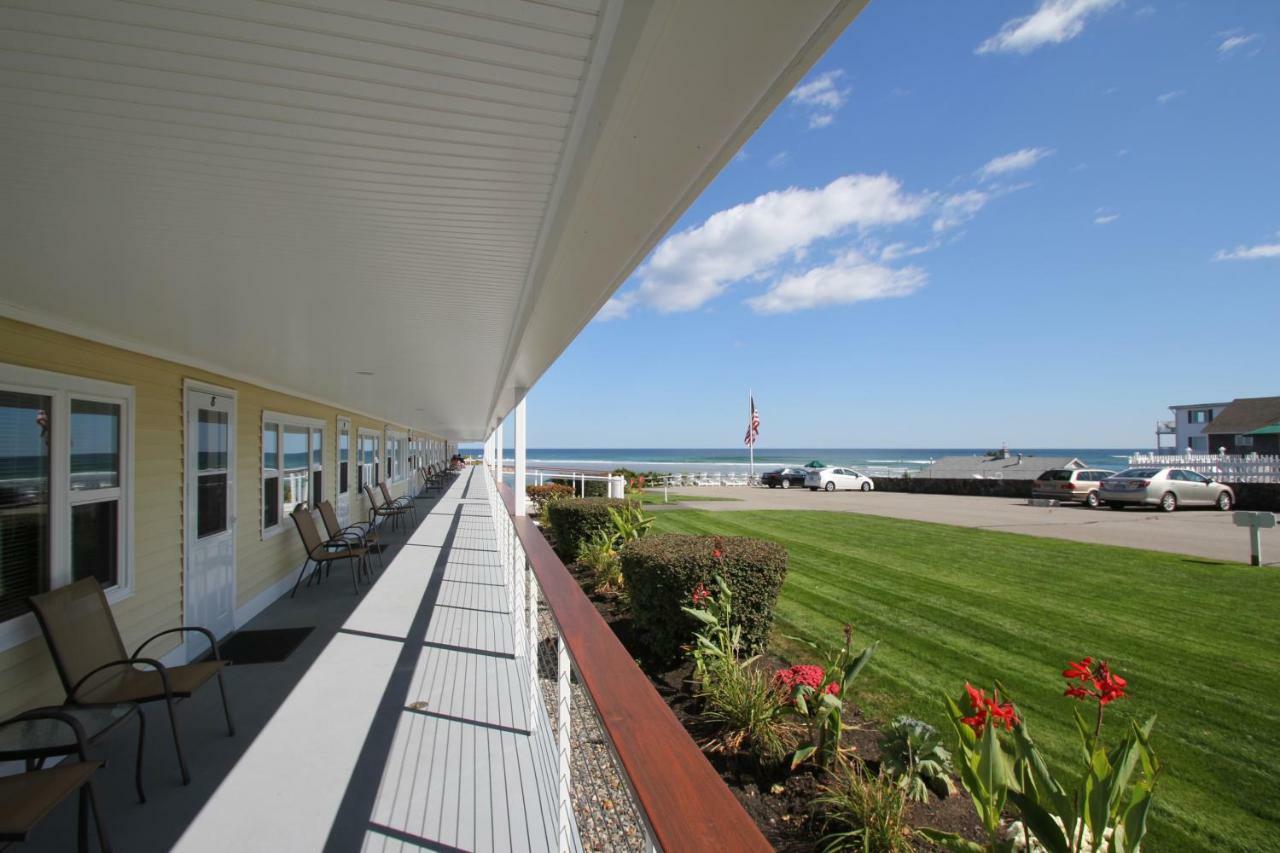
x,y
655,497
1199,642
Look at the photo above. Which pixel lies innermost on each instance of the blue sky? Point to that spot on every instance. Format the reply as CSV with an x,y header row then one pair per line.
x,y
1023,221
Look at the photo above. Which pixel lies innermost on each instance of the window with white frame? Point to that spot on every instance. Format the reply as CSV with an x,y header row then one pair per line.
x,y
65,486
317,465
396,456
367,459
292,466
344,454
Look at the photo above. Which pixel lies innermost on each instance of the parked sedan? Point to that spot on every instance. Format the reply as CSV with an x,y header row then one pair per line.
x,y
830,479
1069,484
1167,488
783,478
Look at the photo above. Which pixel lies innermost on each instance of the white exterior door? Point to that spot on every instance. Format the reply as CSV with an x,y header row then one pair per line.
x,y
209,567
346,477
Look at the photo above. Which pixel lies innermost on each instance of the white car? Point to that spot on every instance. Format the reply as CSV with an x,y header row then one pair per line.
x,y
830,479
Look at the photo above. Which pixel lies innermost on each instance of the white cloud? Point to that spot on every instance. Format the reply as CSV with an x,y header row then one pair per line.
x,y
808,246
617,307
822,97
750,241
1021,159
1250,253
959,208
895,251
850,278
1170,96
1144,12
1105,218
1235,42
1054,22
779,159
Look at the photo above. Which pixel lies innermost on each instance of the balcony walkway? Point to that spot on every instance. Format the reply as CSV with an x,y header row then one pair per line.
x,y
404,726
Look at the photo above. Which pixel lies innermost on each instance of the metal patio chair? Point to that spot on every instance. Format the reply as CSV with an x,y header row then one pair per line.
x,y
404,501
324,552
379,508
27,798
361,533
95,670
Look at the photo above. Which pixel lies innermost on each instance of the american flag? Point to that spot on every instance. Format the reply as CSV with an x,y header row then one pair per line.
x,y
753,426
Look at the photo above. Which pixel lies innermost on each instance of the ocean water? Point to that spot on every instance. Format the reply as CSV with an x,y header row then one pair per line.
x,y
734,460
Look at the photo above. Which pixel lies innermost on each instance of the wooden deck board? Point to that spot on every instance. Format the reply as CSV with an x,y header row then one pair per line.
x,y
441,728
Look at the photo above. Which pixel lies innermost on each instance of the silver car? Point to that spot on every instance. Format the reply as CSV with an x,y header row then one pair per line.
x,y
1070,484
1167,488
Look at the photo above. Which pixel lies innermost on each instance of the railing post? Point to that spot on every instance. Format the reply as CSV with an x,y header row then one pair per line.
x,y
531,635
518,485
499,453
563,671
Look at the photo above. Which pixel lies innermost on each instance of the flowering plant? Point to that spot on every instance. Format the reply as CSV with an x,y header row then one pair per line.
x,y
804,675
720,641
817,695
1105,807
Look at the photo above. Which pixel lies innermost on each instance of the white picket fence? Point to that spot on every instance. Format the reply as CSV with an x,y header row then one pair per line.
x,y
1252,468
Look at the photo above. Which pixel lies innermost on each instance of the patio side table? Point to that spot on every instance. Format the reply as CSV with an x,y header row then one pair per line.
x,y
37,739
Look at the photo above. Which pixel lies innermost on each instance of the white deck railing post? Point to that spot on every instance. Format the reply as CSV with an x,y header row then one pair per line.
x,y
531,650
518,484
563,671
499,453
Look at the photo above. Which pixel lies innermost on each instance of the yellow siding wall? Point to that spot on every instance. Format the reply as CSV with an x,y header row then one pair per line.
x,y
27,677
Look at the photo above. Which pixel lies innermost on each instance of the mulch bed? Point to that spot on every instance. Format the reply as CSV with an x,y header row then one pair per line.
x,y
780,802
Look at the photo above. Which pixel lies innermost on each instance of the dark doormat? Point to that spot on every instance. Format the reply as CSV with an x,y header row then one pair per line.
x,y
270,645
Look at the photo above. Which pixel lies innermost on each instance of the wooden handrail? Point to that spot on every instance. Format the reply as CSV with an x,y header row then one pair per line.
x,y
687,805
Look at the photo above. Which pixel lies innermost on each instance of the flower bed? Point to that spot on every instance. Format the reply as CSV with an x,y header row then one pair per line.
x,y
779,800
790,741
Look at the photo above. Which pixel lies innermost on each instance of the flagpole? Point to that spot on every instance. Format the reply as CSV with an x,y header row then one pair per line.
x,y
751,448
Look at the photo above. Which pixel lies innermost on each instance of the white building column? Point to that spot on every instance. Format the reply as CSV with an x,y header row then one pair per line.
x,y
519,483
499,453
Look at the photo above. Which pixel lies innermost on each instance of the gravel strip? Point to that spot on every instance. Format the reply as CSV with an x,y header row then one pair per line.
x,y
607,815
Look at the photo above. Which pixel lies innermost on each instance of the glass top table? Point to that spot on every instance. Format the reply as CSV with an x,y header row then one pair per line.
x,y
44,737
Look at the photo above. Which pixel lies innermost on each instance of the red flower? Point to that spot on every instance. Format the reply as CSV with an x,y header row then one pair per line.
x,y
1110,686
800,675
1082,671
833,689
1097,681
700,594
986,708
716,553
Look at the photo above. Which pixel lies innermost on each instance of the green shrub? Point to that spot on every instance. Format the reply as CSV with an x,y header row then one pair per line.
x,y
912,752
594,488
599,553
548,492
662,572
864,813
748,711
574,520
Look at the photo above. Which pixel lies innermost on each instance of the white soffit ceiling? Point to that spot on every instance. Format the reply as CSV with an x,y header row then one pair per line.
x,y
440,192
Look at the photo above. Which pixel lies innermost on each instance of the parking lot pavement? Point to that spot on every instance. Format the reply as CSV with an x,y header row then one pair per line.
x,y
1196,532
